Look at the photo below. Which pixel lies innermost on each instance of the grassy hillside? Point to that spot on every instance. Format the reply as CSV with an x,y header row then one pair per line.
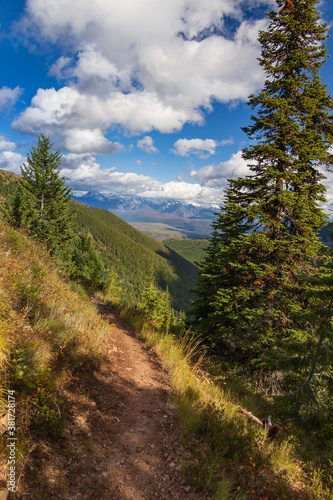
x,y
47,330
127,251
192,250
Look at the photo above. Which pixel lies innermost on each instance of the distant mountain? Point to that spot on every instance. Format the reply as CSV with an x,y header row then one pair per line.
x,y
194,220
127,203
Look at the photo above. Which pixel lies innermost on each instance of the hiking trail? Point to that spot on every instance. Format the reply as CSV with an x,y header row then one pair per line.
x,y
122,440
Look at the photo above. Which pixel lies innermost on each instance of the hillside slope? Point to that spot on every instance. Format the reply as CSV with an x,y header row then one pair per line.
x,y
128,252
192,250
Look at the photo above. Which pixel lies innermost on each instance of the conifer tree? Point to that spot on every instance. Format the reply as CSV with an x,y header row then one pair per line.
x,y
41,202
150,298
252,298
88,266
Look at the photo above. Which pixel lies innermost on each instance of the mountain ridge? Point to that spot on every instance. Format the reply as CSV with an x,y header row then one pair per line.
x,y
194,220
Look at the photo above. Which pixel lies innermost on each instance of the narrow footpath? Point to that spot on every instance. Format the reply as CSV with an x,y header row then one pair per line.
x,y
122,441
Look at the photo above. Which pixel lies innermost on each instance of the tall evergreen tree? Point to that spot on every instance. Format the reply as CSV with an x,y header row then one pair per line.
x,y
41,202
252,298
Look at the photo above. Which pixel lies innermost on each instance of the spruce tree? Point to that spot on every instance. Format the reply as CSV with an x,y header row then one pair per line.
x,y
252,298
41,202
89,269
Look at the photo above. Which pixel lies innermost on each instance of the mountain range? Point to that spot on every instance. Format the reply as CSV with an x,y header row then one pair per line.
x,y
158,217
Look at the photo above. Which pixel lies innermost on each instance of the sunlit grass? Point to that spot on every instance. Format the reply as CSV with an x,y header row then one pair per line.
x,y
48,328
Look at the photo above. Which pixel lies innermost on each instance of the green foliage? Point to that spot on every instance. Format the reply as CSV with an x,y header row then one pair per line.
x,y
40,204
156,305
49,420
256,301
88,266
225,444
192,250
46,332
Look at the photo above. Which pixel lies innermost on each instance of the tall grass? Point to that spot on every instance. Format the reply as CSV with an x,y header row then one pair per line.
x,y
47,330
235,458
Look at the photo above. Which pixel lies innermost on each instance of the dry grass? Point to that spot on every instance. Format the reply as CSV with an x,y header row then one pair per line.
x,y
47,330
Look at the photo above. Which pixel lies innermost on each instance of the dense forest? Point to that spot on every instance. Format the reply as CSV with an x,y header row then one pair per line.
x,y
192,250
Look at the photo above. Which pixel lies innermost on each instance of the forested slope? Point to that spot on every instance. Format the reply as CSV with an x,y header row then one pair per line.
x,y
131,254
192,250
128,252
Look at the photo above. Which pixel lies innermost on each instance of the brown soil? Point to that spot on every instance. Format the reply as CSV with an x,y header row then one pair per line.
x,y
122,440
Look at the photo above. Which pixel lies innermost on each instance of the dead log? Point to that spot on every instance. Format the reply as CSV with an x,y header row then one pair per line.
x,y
272,430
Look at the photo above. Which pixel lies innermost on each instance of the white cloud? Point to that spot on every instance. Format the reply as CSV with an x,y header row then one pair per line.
x,y
88,141
147,145
184,147
59,111
11,161
83,173
141,65
139,163
58,69
217,176
6,145
9,96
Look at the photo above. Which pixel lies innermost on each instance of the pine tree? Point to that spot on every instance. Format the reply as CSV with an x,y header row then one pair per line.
x,y
252,296
41,202
150,297
88,267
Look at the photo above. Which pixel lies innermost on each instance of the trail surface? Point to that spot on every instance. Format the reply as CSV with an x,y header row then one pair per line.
x,y
122,441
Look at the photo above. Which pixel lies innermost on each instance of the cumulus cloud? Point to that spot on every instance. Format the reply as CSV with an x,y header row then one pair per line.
x,y
6,145
217,176
184,147
141,65
11,161
9,96
83,173
147,145
88,141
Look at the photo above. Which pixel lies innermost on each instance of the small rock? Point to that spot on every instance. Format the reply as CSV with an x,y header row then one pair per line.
x,y
172,465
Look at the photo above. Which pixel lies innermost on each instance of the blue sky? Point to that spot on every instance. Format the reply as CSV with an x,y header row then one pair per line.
x,y
143,97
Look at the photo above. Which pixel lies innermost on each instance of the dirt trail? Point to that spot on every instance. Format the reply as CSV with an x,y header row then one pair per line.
x,y
122,442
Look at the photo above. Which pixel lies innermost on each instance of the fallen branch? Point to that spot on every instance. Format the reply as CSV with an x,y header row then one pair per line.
x,y
272,430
